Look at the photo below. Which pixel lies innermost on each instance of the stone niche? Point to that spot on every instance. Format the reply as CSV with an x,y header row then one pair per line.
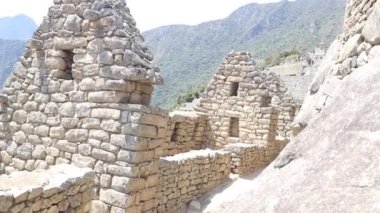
x,y
234,127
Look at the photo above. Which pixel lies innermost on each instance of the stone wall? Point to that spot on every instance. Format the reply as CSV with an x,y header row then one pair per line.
x,y
241,98
185,177
62,188
78,96
246,158
186,131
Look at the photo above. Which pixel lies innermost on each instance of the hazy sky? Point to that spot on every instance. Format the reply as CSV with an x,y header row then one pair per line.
x,y
148,13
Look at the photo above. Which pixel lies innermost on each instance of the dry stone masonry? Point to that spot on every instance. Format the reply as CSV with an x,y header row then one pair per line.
x,y
186,131
62,188
245,105
246,158
186,177
77,96
80,96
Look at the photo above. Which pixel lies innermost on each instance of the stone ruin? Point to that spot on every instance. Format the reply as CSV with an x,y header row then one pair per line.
x,y
78,101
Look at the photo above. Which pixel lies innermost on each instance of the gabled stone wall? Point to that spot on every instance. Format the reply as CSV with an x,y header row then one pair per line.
x,y
245,105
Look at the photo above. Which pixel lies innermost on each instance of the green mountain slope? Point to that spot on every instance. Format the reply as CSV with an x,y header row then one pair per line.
x,y
20,27
10,51
189,55
14,31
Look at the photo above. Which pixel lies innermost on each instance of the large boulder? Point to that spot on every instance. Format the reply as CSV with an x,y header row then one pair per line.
x,y
333,165
333,162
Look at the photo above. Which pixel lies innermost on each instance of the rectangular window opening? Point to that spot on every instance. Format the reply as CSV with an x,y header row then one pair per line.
x,y
234,127
69,64
234,89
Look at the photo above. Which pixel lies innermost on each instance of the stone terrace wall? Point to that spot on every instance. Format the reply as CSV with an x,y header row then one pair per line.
x,y
186,131
185,177
246,158
62,188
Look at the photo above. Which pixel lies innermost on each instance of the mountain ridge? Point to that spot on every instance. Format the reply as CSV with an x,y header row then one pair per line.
x,y
193,52
19,27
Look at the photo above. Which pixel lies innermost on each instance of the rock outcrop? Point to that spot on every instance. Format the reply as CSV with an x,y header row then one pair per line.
x,y
333,165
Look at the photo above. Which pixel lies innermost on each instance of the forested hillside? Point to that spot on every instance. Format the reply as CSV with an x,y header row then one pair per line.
x,y
189,55
10,50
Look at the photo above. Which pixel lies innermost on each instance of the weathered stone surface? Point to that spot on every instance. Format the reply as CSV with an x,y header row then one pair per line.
x,y
129,142
73,23
75,135
57,132
83,161
139,130
24,151
351,46
55,63
19,137
91,15
106,113
108,97
127,185
115,198
39,152
371,30
98,206
69,43
106,57
20,116
103,155
67,146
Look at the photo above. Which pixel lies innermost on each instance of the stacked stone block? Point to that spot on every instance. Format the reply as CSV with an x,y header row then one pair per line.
x,y
128,177
59,189
246,158
186,131
185,177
